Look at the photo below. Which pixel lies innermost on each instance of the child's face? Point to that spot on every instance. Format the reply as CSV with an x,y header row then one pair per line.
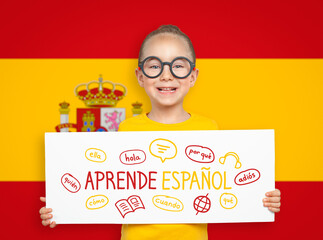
x,y
166,90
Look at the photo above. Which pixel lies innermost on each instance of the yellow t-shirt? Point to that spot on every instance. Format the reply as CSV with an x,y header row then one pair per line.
x,y
165,231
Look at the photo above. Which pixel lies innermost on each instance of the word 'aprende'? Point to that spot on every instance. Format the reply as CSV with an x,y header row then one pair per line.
x,y
168,203
199,154
96,202
246,177
70,183
201,180
121,180
95,155
131,157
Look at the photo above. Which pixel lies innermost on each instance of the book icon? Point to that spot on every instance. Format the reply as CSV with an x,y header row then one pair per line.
x,y
131,204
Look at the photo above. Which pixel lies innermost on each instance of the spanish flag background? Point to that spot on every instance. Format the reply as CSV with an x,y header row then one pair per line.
x,y
260,65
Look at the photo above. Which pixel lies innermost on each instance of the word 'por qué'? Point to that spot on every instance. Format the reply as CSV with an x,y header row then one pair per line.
x,y
201,180
120,180
199,154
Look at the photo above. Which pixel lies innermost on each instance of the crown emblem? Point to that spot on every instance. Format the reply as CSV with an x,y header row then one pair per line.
x,y
64,105
136,110
100,93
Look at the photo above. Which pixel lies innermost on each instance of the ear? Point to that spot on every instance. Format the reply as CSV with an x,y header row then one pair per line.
x,y
193,78
140,77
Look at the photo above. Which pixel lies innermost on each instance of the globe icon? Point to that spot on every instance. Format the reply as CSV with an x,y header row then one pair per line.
x,y
202,204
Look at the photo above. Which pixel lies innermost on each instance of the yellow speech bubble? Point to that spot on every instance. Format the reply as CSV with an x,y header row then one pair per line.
x,y
96,202
163,149
168,203
228,200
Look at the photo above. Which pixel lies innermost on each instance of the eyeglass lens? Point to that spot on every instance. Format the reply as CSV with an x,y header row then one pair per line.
x,y
180,67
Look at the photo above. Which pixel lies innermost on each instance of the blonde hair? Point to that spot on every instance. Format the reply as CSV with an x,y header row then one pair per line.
x,y
168,29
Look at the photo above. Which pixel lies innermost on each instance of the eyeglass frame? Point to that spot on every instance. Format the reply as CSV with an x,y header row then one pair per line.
x,y
141,64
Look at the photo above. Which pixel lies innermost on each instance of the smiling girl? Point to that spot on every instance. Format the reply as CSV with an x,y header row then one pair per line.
x,y
166,70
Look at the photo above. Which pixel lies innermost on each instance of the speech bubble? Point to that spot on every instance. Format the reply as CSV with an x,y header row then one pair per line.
x,y
248,176
163,149
70,183
96,202
168,203
95,155
199,154
131,157
228,200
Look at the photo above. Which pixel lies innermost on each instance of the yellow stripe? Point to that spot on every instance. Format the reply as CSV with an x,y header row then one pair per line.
x,y
283,94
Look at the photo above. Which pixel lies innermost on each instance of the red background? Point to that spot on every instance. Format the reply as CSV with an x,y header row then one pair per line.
x,y
218,29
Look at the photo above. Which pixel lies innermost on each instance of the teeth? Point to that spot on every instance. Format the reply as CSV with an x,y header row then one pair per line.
x,y
167,89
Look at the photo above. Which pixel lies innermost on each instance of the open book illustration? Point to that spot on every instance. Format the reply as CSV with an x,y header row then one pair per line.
x,y
131,204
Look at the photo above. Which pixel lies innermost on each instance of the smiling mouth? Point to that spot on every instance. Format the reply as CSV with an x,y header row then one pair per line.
x,y
166,90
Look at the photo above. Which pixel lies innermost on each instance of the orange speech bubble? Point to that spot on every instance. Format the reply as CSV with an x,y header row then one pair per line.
x,y
168,203
95,155
228,200
163,149
96,202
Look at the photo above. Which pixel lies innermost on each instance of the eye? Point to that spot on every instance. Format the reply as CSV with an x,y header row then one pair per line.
x,y
154,66
178,66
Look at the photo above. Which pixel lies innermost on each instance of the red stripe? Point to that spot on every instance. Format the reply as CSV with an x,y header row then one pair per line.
x,y
110,29
300,216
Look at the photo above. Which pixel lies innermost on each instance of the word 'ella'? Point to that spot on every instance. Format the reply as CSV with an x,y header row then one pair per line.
x,y
95,155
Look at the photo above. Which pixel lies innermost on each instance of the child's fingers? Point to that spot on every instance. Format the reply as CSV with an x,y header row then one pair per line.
x,y
45,222
43,199
272,199
275,193
274,205
46,216
44,210
275,210
53,224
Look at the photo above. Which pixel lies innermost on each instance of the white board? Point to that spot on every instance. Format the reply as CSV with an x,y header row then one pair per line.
x,y
160,176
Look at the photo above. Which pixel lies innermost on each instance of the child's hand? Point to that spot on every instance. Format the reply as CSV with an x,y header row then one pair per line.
x,y
44,214
273,200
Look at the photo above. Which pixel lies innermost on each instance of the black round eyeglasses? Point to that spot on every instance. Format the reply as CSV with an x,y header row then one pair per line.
x,y
180,67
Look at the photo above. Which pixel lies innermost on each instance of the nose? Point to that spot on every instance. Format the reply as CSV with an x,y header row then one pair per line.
x,y
166,75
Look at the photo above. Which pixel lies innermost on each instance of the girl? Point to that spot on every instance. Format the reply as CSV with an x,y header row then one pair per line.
x,y
166,70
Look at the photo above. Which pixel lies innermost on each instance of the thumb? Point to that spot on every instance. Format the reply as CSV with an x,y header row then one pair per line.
x,y
43,199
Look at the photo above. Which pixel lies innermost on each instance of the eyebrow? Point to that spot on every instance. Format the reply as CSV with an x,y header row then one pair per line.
x,y
171,60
